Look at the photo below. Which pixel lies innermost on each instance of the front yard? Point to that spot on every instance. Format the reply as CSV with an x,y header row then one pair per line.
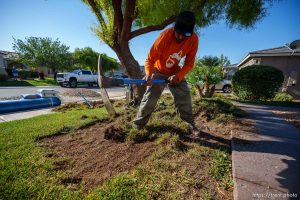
x,y
82,153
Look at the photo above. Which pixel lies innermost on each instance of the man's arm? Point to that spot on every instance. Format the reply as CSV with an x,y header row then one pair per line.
x,y
189,61
154,53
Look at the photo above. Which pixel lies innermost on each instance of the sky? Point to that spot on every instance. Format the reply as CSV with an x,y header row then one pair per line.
x,y
71,20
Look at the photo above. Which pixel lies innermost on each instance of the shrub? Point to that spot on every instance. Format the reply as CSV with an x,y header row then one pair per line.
x,y
257,82
24,74
3,77
34,74
28,74
281,96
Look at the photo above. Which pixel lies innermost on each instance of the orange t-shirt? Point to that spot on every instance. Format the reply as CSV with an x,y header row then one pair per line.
x,y
166,53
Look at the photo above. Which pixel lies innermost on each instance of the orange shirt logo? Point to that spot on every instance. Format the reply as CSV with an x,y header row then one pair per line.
x,y
175,57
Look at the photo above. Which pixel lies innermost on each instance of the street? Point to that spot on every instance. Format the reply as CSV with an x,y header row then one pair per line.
x,y
9,92
13,92
6,92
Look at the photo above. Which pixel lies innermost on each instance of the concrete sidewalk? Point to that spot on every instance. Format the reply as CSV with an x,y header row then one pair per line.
x,y
266,164
24,114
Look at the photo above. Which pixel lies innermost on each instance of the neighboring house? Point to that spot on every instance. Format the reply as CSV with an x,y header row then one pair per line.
x,y
286,58
8,61
2,65
47,71
229,71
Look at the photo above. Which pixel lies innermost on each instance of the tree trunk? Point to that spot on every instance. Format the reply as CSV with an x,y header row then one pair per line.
x,y
212,91
132,68
208,91
199,90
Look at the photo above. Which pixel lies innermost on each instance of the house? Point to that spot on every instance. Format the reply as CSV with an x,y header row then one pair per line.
x,y
285,58
46,71
2,65
8,61
229,71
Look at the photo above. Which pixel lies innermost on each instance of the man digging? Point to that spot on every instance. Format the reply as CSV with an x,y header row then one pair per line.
x,y
163,60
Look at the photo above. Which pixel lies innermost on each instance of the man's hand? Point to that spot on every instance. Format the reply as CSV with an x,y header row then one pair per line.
x,y
174,80
148,80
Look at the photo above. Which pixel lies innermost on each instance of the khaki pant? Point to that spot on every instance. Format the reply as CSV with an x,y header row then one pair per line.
x,y
182,98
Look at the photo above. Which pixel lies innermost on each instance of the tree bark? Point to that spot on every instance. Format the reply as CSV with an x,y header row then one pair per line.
x,y
212,91
199,90
131,67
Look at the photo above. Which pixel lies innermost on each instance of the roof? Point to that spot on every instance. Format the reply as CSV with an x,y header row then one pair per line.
x,y
230,66
278,51
8,54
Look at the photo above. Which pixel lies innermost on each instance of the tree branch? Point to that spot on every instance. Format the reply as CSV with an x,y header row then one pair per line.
x,y
97,12
118,19
198,7
152,28
128,18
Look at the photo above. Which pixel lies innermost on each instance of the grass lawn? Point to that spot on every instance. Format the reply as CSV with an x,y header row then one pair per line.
x,y
25,171
177,168
35,82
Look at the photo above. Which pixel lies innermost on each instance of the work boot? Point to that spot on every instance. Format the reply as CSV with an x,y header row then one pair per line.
x,y
137,127
194,131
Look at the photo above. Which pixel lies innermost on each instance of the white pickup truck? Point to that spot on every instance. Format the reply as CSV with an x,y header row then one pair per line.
x,y
75,77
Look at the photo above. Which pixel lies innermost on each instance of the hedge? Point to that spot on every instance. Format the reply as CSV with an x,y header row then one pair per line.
x,y
257,82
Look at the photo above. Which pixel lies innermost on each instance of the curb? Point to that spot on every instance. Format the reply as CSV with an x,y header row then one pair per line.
x,y
235,190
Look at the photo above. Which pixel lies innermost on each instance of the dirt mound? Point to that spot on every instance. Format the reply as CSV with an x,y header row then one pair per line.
x,y
114,133
91,159
77,106
85,92
10,98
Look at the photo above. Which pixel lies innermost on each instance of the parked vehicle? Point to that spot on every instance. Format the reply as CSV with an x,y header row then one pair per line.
x,y
75,77
225,86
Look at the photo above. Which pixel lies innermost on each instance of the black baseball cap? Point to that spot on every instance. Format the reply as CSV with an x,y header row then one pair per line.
x,y
185,23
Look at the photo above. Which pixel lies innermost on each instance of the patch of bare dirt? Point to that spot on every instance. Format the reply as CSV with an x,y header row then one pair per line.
x,y
290,116
86,92
98,152
10,98
94,154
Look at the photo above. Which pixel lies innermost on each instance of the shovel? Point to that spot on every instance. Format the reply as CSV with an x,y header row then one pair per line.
x,y
110,109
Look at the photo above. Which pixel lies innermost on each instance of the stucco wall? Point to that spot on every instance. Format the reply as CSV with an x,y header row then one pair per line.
x,y
2,66
286,65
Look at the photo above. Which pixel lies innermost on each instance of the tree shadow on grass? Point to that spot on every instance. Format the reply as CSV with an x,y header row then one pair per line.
x,y
205,139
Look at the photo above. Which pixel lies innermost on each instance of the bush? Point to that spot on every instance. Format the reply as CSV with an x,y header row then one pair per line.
x,y
34,74
281,96
28,74
257,82
24,74
3,77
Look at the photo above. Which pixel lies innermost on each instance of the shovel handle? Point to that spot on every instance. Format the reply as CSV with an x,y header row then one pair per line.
x,y
142,81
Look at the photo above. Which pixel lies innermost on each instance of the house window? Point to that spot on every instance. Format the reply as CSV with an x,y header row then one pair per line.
x,y
49,71
256,61
292,81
